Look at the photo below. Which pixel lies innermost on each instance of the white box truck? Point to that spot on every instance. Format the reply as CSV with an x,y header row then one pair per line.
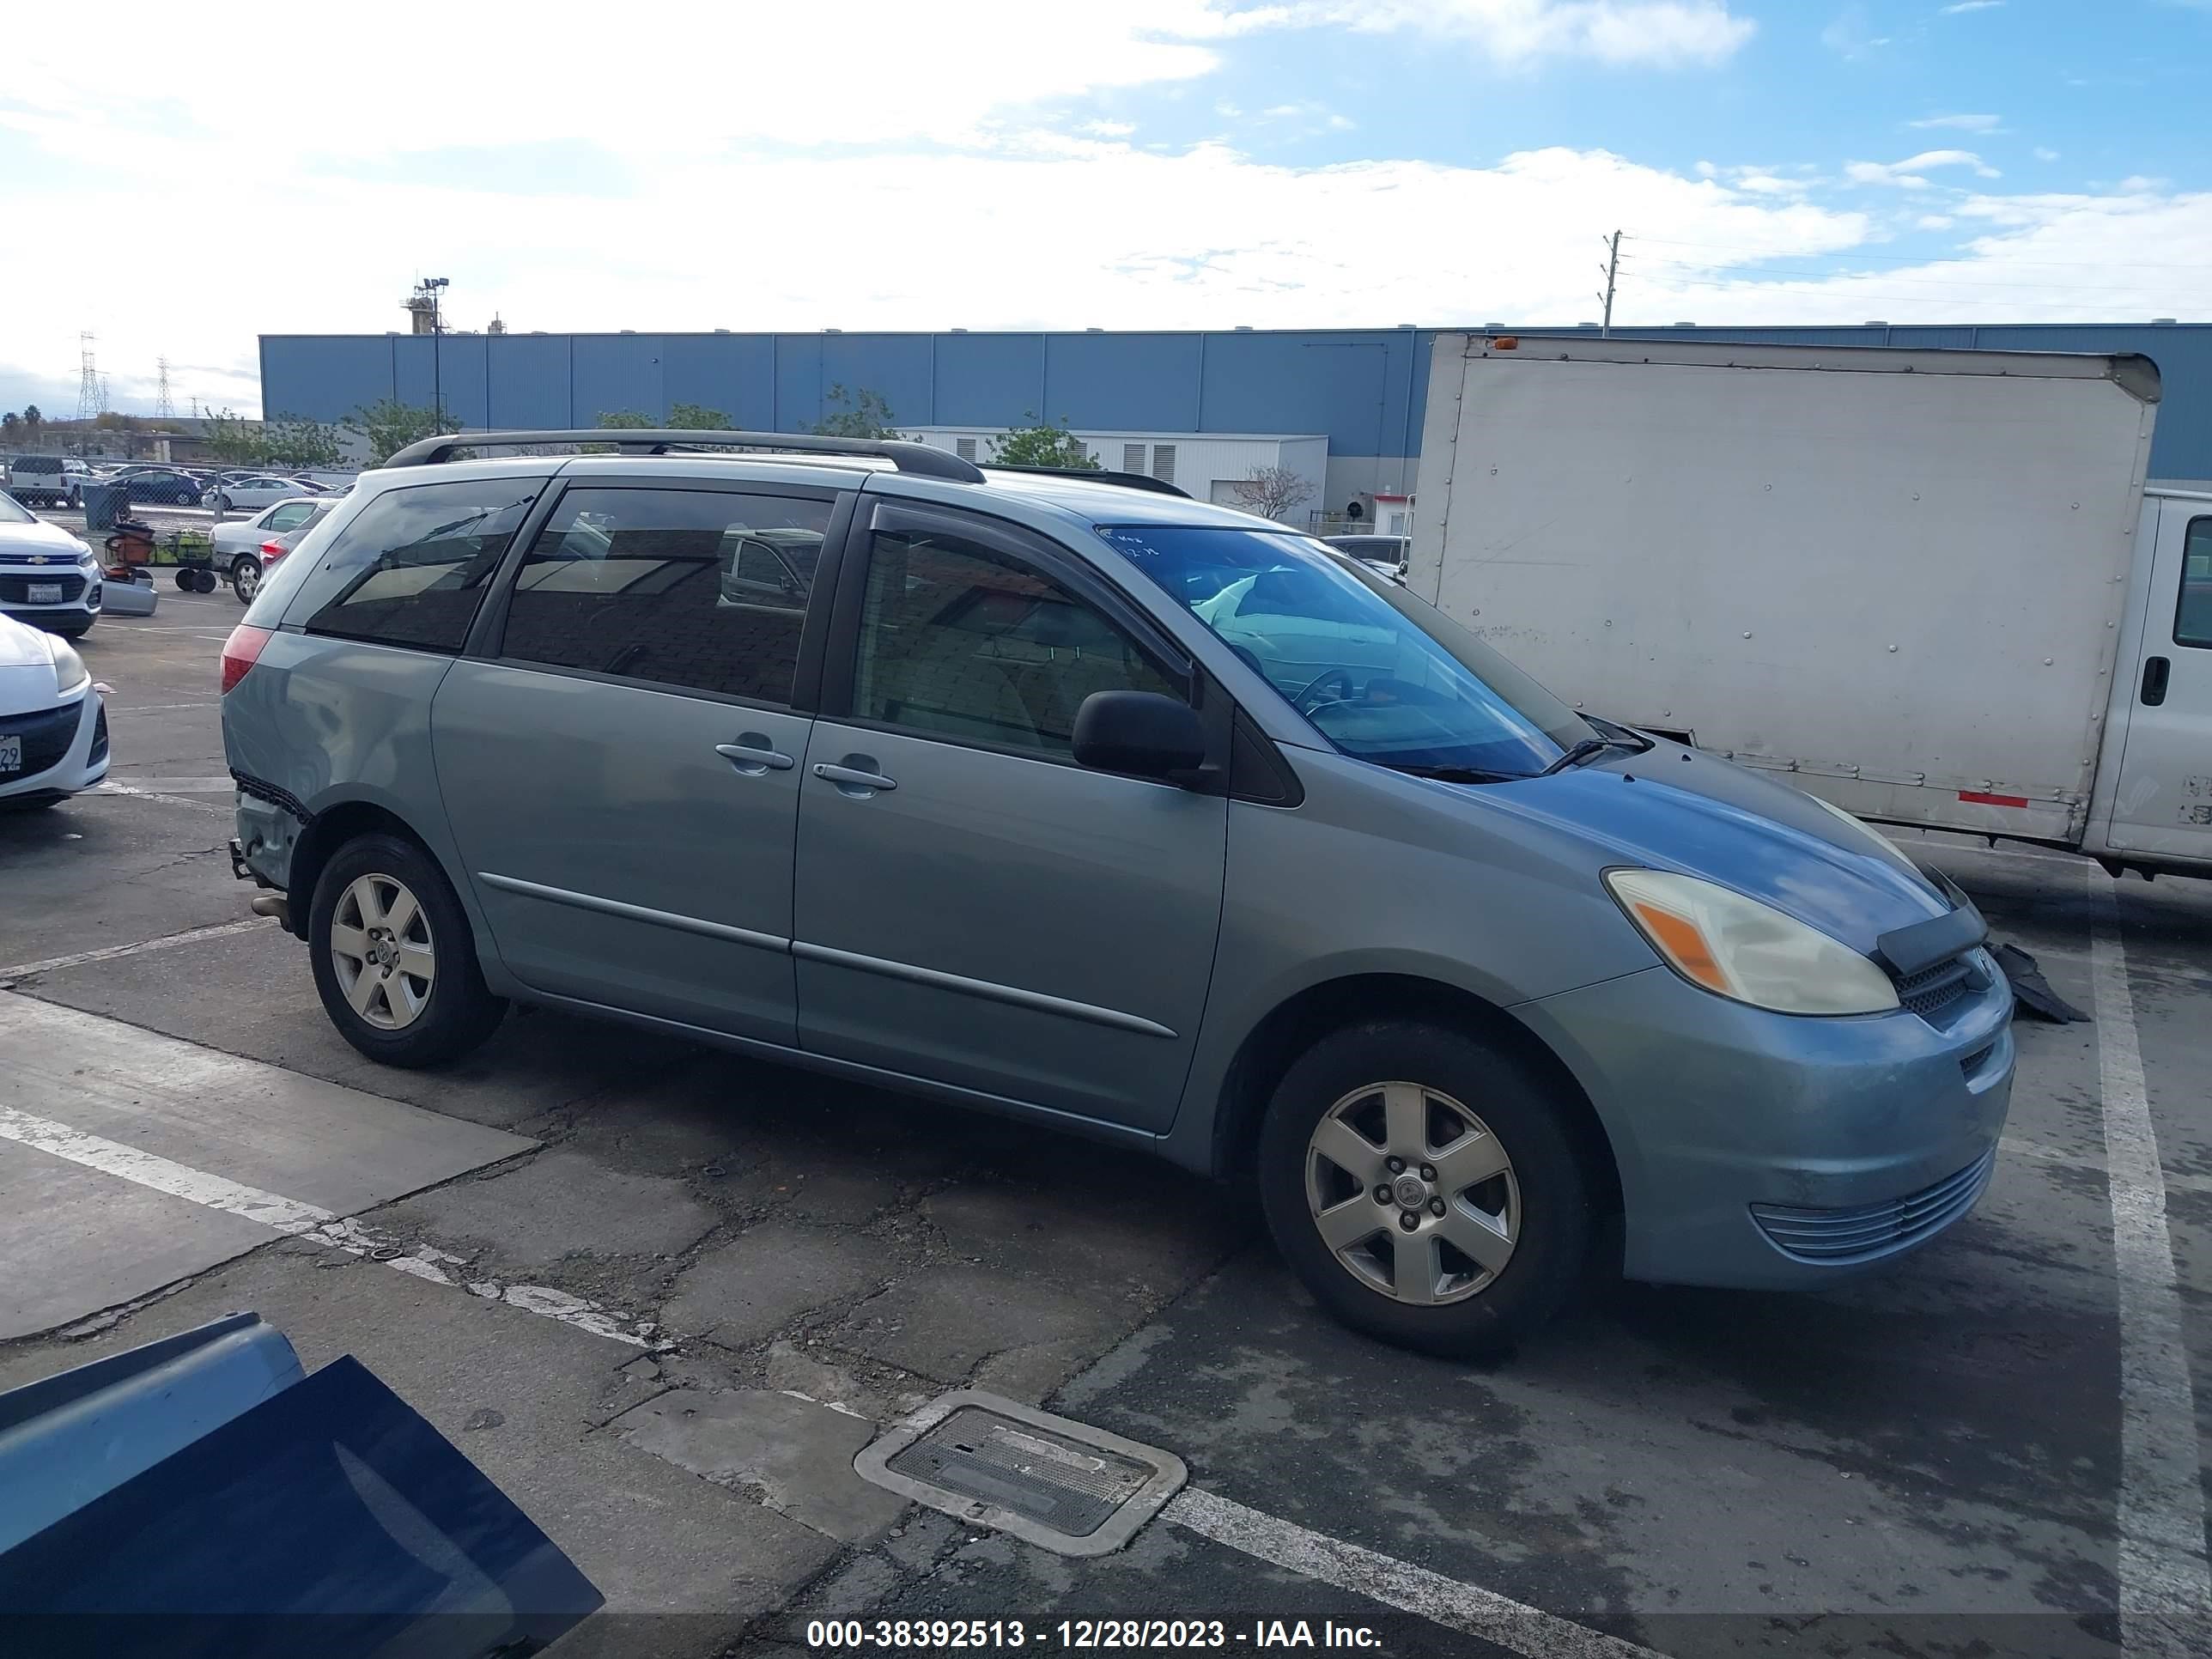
x,y
1930,585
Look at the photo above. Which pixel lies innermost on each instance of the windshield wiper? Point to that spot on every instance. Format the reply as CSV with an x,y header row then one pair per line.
x,y
1583,751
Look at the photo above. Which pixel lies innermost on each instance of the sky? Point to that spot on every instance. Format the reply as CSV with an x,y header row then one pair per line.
x,y
987,164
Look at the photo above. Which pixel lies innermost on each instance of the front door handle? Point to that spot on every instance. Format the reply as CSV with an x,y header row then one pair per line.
x,y
855,775
2156,672
754,756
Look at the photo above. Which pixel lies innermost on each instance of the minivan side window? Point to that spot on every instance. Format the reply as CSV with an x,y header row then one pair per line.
x,y
412,566
703,590
2192,614
962,642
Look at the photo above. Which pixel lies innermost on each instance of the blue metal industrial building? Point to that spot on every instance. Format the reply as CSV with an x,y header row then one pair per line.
x,y
1364,388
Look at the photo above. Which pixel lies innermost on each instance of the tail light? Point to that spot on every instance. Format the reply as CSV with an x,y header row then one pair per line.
x,y
240,652
271,551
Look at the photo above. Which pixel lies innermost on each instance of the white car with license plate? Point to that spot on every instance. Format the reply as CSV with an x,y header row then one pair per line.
x,y
53,722
48,577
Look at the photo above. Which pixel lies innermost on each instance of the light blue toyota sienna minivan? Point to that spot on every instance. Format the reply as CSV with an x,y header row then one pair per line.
x,y
1070,798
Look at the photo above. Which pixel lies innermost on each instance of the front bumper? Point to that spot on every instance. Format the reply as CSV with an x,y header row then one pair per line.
x,y
64,749
1760,1151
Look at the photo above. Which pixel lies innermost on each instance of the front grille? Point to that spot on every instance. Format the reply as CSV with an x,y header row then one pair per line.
x,y
1867,1230
1932,991
46,738
16,590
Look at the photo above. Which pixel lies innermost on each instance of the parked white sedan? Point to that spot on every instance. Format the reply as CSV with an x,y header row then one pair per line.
x,y
53,723
235,536
253,494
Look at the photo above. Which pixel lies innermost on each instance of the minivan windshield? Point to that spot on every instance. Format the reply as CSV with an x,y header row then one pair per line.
x,y
1383,676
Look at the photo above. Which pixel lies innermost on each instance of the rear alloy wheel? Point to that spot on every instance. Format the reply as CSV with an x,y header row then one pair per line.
x,y
245,579
394,962
1423,1184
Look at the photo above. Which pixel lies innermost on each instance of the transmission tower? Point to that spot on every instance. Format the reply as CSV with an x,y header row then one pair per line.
x,y
87,381
165,406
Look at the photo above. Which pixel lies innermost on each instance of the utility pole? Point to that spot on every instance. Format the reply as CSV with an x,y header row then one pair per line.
x,y
165,406
1612,275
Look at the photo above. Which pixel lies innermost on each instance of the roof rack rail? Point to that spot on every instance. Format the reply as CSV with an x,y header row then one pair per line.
x,y
1099,475
906,455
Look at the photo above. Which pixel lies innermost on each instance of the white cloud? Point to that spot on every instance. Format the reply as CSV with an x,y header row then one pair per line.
x,y
1933,221
1107,128
1970,5
1665,33
2042,154
1907,173
1963,123
1851,34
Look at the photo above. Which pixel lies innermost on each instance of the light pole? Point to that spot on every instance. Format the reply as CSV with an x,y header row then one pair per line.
x,y
432,285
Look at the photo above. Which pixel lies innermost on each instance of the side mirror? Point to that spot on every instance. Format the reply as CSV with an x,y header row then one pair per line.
x,y
1141,733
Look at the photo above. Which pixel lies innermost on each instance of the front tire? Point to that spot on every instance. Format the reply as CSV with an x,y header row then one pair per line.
x,y
1499,1233
221,504
394,961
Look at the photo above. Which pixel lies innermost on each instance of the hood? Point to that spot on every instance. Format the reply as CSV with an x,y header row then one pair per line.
x,y
1675,808
22,541
24,646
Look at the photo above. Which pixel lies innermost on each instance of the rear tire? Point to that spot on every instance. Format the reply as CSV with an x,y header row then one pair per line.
x,y
1486,1142
245,578
394,961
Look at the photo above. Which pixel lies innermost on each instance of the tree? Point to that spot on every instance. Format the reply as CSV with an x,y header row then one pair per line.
x,y
9,421
629,419
31,418
697,417
234,439
1041,444
295,440
1271,491
389,426
869,415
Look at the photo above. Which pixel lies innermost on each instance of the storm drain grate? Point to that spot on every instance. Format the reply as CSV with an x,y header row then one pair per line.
x,y
1060,1485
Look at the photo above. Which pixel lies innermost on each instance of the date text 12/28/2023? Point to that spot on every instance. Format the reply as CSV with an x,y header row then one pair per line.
x,y
1083,1635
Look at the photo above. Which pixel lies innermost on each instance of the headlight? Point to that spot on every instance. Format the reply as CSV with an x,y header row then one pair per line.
x,y
1736,947
69,672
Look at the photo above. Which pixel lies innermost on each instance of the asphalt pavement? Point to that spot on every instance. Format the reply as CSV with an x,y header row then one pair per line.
x,y
663,1295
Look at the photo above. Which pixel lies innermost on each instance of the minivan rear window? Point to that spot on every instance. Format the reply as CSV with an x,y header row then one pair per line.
x,y
411,567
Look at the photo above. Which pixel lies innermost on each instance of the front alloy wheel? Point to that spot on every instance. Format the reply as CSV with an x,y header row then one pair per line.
x,y
1411,1193
1429,1185
381,947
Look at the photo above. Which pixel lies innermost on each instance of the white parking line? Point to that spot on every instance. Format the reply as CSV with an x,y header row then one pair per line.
x,y
295,1220
2164,1582
109,953
212,784
1510,1624
112,787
